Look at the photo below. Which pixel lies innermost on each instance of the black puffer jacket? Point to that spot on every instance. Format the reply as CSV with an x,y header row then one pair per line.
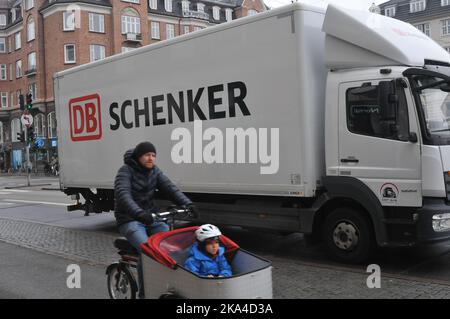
x,y
134,189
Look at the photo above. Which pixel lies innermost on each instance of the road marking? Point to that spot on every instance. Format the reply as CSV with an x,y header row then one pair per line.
x,y
18,190
5,193
34,202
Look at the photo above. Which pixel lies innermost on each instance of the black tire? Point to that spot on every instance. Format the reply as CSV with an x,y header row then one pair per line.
x,y
126,288
348,235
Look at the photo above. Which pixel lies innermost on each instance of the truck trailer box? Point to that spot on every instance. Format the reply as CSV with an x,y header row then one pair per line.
x,y
237,108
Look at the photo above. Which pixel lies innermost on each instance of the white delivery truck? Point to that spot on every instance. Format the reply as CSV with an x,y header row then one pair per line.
x,y
325,121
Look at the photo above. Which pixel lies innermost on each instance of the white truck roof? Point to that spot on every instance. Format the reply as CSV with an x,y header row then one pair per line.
x,y
358,38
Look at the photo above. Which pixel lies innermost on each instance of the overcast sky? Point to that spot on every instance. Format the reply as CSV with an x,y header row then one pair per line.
x,y
357,4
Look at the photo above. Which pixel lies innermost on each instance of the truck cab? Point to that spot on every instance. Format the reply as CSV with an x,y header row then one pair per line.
x,y
387,132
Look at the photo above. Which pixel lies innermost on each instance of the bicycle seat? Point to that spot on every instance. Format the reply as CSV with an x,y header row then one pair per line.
x,y
123,244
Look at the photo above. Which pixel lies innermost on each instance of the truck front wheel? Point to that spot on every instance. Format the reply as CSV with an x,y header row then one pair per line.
x,y
348,235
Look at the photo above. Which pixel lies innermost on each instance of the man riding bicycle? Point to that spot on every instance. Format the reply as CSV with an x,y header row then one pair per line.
x,y
134,191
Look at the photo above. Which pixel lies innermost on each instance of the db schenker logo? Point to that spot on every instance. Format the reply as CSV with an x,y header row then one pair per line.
x,y
85,118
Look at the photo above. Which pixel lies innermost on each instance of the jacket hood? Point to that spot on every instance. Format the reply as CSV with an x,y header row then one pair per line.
x,y
129,159
199,255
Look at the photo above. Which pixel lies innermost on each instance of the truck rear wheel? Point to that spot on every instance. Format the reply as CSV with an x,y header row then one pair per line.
x,y
348,235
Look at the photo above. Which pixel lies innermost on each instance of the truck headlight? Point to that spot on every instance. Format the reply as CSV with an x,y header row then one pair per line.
x,y
441,222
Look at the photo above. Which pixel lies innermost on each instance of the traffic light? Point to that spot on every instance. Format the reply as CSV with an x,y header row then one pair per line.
x,y
21,102
30,134
29,101
21,137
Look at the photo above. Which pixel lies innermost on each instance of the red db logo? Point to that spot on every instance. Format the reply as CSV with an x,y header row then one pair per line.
x,y
85,118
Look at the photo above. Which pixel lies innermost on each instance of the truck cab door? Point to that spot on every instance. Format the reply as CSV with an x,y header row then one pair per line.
x,y
378,140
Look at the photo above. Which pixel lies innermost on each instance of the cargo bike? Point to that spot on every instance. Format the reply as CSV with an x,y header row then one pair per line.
x,y
165,276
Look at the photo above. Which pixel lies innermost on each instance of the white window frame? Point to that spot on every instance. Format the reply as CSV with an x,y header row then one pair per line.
x,y
66,61
155,30
50,125
131,24
170,32
424,28
39,125
32,88
93,52
2,20
445,27
100,22
216,12
3,72
153,4
186,29
19,72
197,28
228,14
185,5
29,4
127,49
31,32
3,44
417,6
17,41
168,5
4,98
11,72
67,26
390,11
445,3
13,14
200,7
251,12
32,65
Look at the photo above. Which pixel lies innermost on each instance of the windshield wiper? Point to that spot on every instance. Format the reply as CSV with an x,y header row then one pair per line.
x,y
443,130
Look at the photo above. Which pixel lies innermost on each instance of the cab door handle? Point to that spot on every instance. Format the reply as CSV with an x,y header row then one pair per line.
x,y
349,160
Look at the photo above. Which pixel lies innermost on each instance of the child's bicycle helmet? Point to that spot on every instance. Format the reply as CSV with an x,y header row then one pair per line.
x,y
207,231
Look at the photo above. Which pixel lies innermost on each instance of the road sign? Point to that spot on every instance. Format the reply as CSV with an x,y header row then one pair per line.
x,y
27,120
40,143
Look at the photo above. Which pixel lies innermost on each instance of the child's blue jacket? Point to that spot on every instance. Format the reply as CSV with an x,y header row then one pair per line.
x,y
202,265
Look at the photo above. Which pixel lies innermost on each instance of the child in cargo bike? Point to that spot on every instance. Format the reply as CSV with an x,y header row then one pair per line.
x,y
206,257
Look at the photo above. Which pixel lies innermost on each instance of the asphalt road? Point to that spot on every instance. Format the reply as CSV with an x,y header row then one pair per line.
x,y
424,265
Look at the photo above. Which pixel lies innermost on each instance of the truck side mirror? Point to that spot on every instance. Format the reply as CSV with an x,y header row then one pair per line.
x,y
388,100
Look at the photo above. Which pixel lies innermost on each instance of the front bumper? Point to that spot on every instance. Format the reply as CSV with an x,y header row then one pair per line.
x,y
406,226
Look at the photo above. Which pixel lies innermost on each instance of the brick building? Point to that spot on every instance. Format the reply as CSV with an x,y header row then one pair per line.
x,y
41,37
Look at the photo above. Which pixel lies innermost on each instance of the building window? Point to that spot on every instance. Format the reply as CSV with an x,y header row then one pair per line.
x,y
200,7
216,13
153,4
2,45
18,69
96,22
416,6
16,128
170,31
69,20
3,75
39,127
251,12
9,44
29,4
127,49
196,28
445,2
228,14
32,61
1,132
168,5
4,97
11,73
69,53
32,89
31,29
17,41
424,27
185,5
389,11
2,20
445,27
131,23
155,30
186,29
97,52
51,125
13,14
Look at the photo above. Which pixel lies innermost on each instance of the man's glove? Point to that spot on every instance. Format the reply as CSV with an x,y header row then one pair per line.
x,y
193,210
146,218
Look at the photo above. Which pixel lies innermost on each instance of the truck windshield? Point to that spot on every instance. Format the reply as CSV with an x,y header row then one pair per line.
x,y
434,96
